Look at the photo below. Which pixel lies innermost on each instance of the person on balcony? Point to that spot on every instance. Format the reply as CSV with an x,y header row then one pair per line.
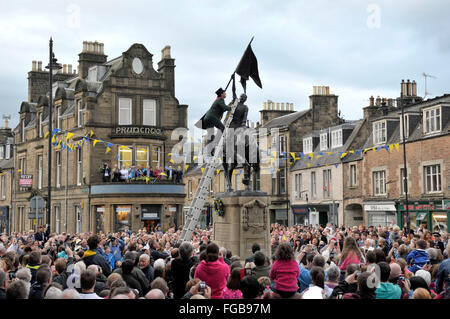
x,y
132,173
106,173
123,173
179,175
170,173
149,172
116,173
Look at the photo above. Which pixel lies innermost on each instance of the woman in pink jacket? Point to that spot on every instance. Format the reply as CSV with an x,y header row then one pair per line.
x,y
351,254
284,272
213,271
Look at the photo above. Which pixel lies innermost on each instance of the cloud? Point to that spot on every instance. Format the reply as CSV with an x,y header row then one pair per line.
x,y
298,44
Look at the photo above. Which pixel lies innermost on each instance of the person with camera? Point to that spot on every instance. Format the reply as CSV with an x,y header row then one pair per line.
x,y
201,288
349,284
106,173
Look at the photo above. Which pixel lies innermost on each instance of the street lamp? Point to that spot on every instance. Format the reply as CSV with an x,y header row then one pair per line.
x,y
53,67
405,173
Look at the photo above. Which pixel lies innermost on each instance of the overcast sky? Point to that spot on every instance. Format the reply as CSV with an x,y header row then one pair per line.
x,y
358,48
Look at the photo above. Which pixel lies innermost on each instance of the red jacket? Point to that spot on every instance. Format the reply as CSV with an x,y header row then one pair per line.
x,y
215,274
284,274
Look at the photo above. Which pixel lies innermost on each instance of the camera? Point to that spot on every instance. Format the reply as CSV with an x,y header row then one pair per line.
x,y
248,271
202,286
12,275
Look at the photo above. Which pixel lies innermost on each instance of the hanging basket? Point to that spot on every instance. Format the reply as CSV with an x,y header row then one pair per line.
x,y
218,207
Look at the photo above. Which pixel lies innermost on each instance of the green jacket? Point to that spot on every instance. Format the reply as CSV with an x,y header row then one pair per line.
x,y
217,109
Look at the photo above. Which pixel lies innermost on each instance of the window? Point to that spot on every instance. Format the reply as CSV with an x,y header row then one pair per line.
x,y
78,219
190,189
327,183
432,175
307,145
79,166
58,118
23,130
39,171
274,184
142,154
379,183
379,132
149,112
282,144
80,113
125,156
352,175
323,141
298,185
237,182
156,156
402,181
3,187
40,125
8,151
125,111
432,120
406,127
2,152
336,138
58,169
313,184
57,219
282,181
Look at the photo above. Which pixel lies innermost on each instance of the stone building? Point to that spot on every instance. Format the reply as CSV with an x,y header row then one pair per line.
x,y
317,193
123,101
6,176
285,129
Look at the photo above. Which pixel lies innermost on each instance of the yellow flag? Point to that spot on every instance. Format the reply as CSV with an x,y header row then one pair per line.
x,y
107,150
396,146
162,173
147,180
171,161
365,150
309,165
352,152
203,169
19,170
318,156
217,171
329,153
69,135
194,158
293,155
343,154
170,154
46,134
53,139
311,155
391,147
95,142
186,167
91,133
374,149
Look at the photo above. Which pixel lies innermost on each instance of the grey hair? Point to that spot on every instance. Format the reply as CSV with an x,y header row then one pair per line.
x,y
70,294
186,250
160,263
53,293
333,273
144,256
432,253
24,274
155,294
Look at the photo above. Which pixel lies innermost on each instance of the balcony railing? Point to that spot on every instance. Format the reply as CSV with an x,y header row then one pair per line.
x,y
161,187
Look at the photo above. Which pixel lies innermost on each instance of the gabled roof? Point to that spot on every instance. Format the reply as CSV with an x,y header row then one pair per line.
x,y
285,120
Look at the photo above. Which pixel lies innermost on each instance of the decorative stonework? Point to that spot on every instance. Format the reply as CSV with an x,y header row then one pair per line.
x,y
254,215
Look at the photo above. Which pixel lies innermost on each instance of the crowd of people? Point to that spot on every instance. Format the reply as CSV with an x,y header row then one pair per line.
x,y
305,262
140,173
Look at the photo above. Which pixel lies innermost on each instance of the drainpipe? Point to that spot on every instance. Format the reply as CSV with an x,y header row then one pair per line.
x,y
13,186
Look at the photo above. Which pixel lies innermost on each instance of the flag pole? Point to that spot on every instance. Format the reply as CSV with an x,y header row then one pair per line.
x,y
231,78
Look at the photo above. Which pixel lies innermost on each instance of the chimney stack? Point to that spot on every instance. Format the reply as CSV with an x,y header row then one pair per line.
x,y
91,55
371,101
165,52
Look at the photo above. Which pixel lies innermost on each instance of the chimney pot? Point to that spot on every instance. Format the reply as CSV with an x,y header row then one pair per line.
x,y
282,106
414,88
371,100
39,65
69,69
165,52
65,68
96,47
102,48
33,66
278,106
85,46
378,101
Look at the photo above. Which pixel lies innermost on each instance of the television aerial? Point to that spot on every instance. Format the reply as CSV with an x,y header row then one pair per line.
x,y
427,76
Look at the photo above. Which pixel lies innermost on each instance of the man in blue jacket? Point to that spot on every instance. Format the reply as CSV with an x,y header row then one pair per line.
x,y
418,257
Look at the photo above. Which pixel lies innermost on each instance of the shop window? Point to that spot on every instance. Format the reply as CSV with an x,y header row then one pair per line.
x,y
142,156
439,222
122,217
125,156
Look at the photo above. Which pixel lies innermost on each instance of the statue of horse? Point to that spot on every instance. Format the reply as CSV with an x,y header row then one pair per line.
x,y
240,147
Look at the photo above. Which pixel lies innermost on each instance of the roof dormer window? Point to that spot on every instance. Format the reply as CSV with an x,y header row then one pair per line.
x,y
432,120
307,145
406,118
323,141
379,132
336,138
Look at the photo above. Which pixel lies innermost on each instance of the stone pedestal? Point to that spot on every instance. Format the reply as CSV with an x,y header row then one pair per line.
x,y
246,221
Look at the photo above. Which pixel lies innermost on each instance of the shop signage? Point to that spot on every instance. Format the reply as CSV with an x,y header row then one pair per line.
x,y
416,206
26,181
172,209
137,131
300,209
379,207
150,215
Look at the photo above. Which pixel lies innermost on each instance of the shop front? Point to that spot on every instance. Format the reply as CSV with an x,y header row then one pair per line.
x,y
151,216
122,217
433,215
318,214
380,213
278,214
300,215
99,218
